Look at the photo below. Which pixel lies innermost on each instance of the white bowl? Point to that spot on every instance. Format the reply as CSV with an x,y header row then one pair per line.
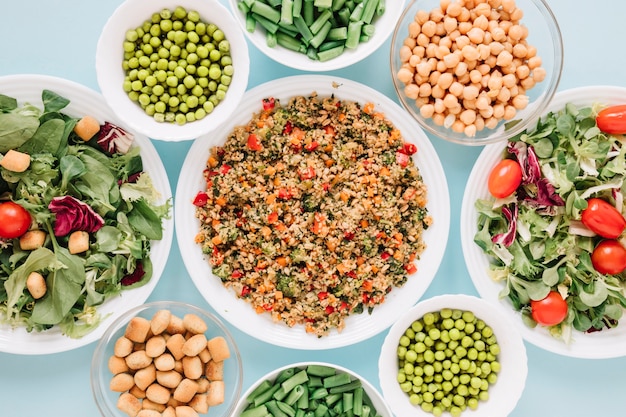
x,y
381,407
106,399
384,27
543,33
358,326
503,395
110,74
84,101
597,345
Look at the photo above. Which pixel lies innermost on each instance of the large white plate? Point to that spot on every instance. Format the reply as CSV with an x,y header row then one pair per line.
x,y
84,101
604,344
358,327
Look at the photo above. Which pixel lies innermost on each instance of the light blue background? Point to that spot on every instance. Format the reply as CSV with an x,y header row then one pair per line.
x,y
58,37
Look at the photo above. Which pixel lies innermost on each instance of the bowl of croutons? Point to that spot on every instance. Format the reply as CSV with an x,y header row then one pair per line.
x,y
168,359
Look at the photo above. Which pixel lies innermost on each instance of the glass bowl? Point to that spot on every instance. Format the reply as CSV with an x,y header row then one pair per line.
x,y
383,26
132,14
465,78
503,394
102,366
313,374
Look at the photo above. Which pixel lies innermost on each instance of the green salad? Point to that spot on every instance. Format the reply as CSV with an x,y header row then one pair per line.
x,y
546,234
77,215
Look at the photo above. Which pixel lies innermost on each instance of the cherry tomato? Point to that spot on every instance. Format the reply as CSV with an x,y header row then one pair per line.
x,y
402,159
504,178
612,120
14,220
549,311
603,219
609,257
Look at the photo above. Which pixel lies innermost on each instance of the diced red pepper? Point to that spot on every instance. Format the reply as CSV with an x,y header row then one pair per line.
x,y
326,186
322,295
224,169
402,159
329,309
410,268
245,291
288,128
348,235
254,143
284,194
268,307
269,103
211,174
236,274
272,217
385,256
409,148
343,306
329,130
351,274
311,146
306,173
200,199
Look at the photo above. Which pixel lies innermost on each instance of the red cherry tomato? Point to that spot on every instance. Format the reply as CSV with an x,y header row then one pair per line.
x,y
504,178
612,120
603,219
609,257
549,311
254,143
14,220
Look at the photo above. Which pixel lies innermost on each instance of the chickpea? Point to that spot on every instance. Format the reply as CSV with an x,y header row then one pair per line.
x,y
429,28
405,53
539,74
427,111
411,91
414,29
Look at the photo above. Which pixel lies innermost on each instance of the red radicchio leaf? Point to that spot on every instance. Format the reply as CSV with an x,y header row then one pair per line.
x,y
73,215
546,195
135,277
113,138
508,237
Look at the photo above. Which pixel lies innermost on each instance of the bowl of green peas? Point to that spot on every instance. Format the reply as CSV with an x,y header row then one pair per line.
x,y
317,35
172,70
311,389
453,355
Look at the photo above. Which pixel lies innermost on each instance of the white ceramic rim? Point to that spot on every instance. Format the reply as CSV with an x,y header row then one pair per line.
x,y
503,395
597,345
384,28
28,88
378,401
358,327
110,76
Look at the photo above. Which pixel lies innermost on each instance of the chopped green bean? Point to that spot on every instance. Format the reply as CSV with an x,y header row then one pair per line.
x,y
313,23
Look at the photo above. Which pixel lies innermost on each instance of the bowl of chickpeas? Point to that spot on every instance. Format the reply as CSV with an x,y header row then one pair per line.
x,y
172,70
476,72
452,354
169,359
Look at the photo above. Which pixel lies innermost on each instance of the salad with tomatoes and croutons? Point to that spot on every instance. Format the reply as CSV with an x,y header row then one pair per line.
x,y
554,227
77,215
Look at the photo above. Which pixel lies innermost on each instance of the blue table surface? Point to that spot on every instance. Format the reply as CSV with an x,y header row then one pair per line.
x,y
59,37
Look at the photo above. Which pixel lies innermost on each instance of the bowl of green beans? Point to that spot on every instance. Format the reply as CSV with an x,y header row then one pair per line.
x,y
317,35
172,70
308,389
453,354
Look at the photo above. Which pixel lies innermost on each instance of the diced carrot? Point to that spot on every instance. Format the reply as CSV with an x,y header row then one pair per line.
x,y
215,222
261,264
398,236
318,223
370,192
364,223
329,162
368,285
270,199
278,295
378,199
212,162
342,268
220,201
341,117
86,128
394,134
344,196
199,238
281,260
259,309
272,217
280,227
270,170
375,269
331,244
384,171
368,108
266,231
360,260
216,240
398,255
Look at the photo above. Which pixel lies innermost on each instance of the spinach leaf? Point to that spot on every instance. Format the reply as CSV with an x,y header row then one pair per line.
x,y
64,289
46,139
52,102
145,221
7,104
71,167
15,129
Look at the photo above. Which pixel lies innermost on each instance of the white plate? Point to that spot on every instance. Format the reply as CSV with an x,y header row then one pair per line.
x,y
384,27
358,327
503,395
84,101
604,344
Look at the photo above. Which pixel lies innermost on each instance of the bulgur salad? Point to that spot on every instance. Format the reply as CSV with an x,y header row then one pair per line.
x,y
313,211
